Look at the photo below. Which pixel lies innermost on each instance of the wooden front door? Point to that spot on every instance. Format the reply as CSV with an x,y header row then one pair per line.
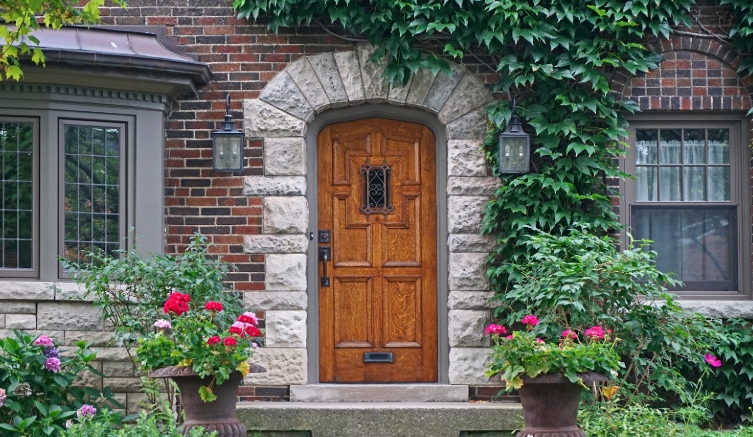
x,y
378,315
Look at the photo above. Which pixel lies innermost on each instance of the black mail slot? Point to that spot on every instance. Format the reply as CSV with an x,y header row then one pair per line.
x,y
377,357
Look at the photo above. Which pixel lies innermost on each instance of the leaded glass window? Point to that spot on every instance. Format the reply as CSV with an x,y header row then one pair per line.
x,y
93,198
17,196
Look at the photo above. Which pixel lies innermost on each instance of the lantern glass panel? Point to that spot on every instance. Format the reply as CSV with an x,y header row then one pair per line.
x,y
227,153
513,154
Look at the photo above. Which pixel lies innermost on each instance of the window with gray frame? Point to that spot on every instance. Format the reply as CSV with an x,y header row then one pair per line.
x,y
686,197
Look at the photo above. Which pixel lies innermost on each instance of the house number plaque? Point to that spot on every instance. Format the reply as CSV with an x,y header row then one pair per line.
x,y
377,192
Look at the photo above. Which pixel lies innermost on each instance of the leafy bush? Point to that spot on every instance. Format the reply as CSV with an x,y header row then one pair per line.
x,y
37,385
146,426
579,279
130,290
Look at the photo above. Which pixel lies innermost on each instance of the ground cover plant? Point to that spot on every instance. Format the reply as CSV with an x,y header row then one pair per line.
x,y
37,392
146,425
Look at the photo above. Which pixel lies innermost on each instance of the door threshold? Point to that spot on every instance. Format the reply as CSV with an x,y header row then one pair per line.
x,y
419,392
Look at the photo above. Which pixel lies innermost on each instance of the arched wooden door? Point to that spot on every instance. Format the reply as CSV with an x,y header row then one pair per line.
x,y
378,310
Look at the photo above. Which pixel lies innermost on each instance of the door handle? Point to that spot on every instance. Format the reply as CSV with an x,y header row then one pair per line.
x,y
325,254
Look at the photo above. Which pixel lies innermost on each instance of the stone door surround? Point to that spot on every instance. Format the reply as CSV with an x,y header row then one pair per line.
x,y
280,117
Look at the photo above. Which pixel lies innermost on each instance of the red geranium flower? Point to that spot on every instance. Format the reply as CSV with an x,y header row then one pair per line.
x,y
213,306
176,303
252,331
214,340
230,341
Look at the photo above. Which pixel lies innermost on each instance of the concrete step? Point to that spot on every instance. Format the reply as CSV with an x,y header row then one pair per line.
x,y
380,419
378,393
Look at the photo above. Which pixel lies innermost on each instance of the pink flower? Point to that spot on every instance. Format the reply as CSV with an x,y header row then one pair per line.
x,y
163,324
530,320
595,333
712,360
86,411
538,340
230,341
569,334
43,340
237,328
2,396
248,317
509,337
214,340
495,329
52,364
213,306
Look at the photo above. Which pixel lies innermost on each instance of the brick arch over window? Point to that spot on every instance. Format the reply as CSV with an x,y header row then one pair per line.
x,y
696,74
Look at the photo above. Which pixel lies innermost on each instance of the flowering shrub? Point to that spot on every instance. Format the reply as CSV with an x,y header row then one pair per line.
x,y
523,353
194,338
36,392
147,425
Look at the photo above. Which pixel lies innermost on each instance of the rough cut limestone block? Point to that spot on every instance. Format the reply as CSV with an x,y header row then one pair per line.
x,y
57,336
87,378
109,353
284,94
285,272
284,157
94,338
471,126
275,243
285,329
471,300
118,369
469,94
134,402
486,186
419,87
466,328
720,308
465,213
398,93
305,77
350,73
34,291
467,365
262,120
443,87
68,315
471,243
465,158
326,70
2,321
274,186
275,300
467,272
18,307
285,366
20,321
123,385
374,86
285,215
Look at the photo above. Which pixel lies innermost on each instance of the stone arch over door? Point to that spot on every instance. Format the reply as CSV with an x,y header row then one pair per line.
x,y
295,100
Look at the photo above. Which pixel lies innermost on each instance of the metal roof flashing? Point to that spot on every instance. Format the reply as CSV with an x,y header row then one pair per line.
x,y
130,56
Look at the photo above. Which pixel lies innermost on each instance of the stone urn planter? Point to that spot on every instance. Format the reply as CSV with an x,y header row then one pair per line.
x,y
218,415
550,405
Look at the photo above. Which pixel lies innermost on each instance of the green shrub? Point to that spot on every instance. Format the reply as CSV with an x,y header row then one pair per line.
x,y
146,426
36,384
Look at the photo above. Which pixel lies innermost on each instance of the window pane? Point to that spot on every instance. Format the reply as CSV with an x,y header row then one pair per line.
x,y
645,146
92,191
694,184
697,244
669,182
669,146
17,194
694,146
646,184
718,146
719,184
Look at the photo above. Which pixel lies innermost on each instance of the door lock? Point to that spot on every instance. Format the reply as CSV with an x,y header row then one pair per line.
x,y
325,254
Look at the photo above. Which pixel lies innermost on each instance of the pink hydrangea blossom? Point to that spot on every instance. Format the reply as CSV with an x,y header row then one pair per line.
x,y
52,364
530,320
43,340
495,329
712,360
569,334
163,324
86,412
595,333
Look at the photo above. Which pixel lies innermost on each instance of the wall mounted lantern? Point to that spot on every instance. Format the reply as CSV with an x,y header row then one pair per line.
x,y
514,147
227,145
